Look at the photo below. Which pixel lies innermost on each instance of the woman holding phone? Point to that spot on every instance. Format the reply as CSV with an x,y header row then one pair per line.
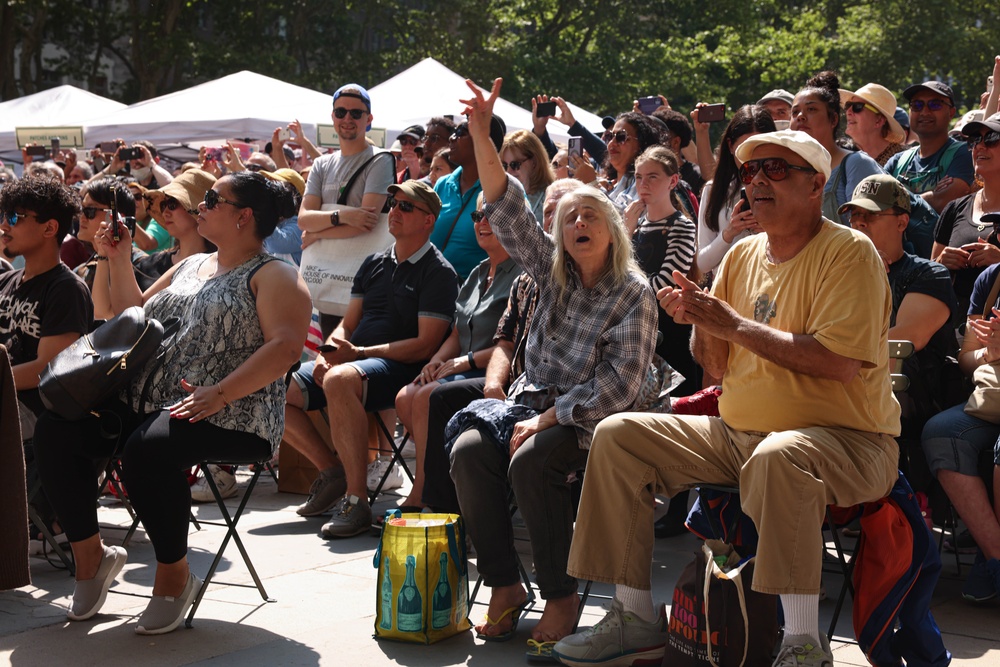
x,y
218,394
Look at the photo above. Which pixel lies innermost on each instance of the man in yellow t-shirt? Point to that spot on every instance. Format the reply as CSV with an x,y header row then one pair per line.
x,y
796,325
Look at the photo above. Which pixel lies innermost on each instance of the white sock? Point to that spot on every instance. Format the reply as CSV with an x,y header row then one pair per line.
x,y
637,601
801,615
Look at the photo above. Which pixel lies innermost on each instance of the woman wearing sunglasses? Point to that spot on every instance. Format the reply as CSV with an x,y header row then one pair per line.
x,y
962,241
466,352
870,112
219,393
631,134
816,111
524,157
176,206
589,348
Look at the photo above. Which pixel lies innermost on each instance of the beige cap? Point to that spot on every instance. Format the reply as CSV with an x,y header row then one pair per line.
x,y
801,143
419,192
289,176
189,189
883,100
878,192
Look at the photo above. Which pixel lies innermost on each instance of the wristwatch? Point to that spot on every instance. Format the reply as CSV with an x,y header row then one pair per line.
x,y
335,218
362,354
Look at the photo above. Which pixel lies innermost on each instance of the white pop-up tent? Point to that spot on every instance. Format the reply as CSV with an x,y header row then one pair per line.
x,y
60,106
430,89
244,104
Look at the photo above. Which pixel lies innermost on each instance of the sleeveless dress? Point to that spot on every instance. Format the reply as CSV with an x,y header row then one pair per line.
x,y
219,330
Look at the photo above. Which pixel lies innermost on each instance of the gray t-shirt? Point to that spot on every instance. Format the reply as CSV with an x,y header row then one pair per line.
x,y
330,173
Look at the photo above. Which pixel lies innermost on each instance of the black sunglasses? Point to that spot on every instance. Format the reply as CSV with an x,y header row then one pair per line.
x,y
620,137
405,206
775,169
933,105
254,168
213,198
858,107
988,139
90,212
514,165
341,112
171,204
460,131
478,216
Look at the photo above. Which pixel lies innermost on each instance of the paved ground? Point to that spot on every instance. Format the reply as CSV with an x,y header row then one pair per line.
x,y
326,596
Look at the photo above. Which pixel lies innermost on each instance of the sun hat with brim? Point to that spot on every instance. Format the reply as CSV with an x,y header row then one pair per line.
x,y
189,189
882,99
419,192
878,192
975,127
798,142
288,176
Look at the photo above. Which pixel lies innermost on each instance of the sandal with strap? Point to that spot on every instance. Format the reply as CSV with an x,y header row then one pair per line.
x,y
515,615
540,651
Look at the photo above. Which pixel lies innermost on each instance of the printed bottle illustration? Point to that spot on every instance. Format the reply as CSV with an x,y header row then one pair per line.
x,y
386,622
441,600
409,604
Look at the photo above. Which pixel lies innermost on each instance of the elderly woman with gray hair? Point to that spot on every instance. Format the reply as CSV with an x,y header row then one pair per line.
x,y
589,348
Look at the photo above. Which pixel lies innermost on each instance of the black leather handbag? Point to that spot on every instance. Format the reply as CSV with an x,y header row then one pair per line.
x,y
97,366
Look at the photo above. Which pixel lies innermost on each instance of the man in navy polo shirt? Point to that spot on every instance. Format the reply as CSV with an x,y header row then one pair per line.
x,y
402,307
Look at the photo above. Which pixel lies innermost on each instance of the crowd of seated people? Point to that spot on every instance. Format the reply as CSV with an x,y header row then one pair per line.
x,y
525,315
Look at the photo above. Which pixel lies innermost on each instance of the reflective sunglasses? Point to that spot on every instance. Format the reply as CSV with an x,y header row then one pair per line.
x,y
857,107
619,137
933,105
12,218
404,206
478,216
988,139
90,212
460,131
171,204
213,198
514,165
356,114
775,169
408,141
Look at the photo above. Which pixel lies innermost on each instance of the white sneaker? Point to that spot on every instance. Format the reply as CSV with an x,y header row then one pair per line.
x,y
375,471
226,481
409,450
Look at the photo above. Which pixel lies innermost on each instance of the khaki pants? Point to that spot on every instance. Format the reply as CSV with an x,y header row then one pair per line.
x,y
786,481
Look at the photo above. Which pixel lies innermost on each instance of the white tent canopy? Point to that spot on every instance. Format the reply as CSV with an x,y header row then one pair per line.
x,y
430,89
206,112
60,106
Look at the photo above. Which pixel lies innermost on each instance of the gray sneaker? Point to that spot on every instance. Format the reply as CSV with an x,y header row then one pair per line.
x,y
351,516
326,490
619,639
801,651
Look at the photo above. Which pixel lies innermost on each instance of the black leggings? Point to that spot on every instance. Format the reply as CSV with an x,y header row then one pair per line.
x,y
157,453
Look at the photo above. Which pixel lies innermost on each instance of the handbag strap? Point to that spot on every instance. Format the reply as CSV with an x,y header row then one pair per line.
x,y
342,199
461,564
457,218
992,298
735,576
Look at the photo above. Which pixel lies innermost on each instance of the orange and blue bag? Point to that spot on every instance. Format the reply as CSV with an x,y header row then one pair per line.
x,y
423,578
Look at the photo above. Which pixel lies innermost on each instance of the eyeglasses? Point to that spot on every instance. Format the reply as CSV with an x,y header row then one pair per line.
x,y
857,107
341,112
460,131
12,218
254,168
988,139
867,217
408,141
514,165
90,212
478,216
406,206
212,199
775,169
619,137
171,204
933,105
